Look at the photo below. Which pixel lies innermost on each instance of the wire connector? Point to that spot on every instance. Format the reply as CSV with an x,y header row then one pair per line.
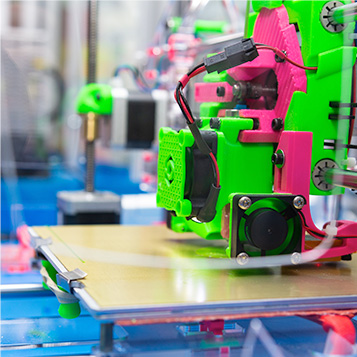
x,y
234,55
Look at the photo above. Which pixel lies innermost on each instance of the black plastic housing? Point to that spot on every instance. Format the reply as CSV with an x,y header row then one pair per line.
x,y
234,55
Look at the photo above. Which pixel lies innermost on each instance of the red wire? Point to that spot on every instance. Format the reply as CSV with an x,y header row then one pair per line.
x,y
216,167
282,55
186,110
197,72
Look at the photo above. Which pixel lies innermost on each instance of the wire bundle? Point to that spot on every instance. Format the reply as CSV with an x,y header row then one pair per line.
x,y
138,77
186,111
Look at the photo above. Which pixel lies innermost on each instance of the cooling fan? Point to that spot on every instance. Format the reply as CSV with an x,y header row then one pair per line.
x,y
265,225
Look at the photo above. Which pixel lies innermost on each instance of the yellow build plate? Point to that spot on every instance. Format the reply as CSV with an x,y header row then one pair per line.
x,y
139,268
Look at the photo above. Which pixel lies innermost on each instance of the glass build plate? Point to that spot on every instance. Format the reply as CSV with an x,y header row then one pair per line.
x,y
122,282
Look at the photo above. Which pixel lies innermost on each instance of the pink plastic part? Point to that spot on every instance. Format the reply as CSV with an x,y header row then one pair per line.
x,y
294,178
207,92
272,28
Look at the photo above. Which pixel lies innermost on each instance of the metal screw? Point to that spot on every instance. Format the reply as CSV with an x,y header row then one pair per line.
x,y
242,258
279,59
221,91
278,158
244,202
299,202
215,123
295,258
239,90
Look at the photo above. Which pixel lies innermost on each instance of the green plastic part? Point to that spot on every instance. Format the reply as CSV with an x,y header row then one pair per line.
x,y
210,26
51,272
270,4
249,26
248,170
216,77
69,311
179,224
200,26
315,40
172,171
95,98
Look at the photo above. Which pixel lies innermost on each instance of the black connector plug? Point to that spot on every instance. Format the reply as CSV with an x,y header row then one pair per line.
x,y
232,56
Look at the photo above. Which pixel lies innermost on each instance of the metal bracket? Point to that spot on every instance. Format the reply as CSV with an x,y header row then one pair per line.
x,y
69,280
37,242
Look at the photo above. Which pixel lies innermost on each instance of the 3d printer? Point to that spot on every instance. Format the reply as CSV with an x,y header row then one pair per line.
x,y
275,126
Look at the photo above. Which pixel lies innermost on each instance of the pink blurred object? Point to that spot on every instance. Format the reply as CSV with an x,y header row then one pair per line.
x,y
181,47
16,258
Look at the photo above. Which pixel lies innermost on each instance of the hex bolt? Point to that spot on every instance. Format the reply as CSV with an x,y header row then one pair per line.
x,y
215,123
242,258
299,202
295,258
221,91
199,123
244,203
277,124
278,158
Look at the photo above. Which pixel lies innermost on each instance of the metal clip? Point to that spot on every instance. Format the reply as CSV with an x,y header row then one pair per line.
x,y
69,279
37,242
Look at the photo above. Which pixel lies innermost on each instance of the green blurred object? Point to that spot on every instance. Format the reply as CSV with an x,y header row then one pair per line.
x,y
210,26
95,98
345,14
200,26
